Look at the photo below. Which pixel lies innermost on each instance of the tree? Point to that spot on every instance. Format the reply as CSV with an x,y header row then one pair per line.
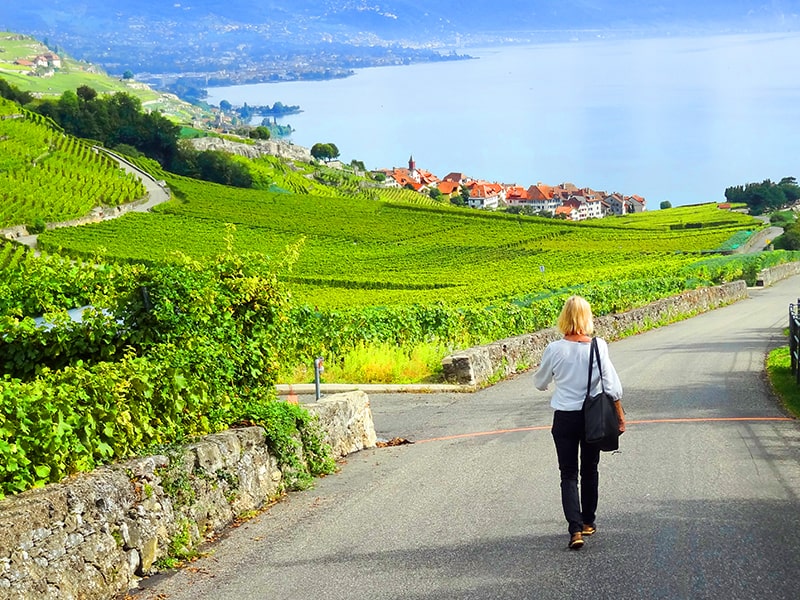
x,y
13,93
762,197
789,240
260,133
458,200
69,112
219,167
127,74
465,195
225,106
86,93
435,193
665,204
790,189
325,152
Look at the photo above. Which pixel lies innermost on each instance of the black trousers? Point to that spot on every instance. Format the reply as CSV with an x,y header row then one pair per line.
x,y
568,436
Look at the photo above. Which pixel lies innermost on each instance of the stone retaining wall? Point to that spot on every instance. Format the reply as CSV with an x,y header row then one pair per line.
x,y
255,150
769,276
479,365
93,536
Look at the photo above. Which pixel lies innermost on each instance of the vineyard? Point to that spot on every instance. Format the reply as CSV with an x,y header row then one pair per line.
x,y
360,252
48,176
311,262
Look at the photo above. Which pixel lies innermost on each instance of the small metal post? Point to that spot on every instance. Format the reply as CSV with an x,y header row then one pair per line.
x,y
318,368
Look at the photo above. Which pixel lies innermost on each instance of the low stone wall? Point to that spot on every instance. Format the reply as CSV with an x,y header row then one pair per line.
x,y
767,277
477,366
93,536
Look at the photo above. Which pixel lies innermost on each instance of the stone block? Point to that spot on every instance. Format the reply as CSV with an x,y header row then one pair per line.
x,y
346,422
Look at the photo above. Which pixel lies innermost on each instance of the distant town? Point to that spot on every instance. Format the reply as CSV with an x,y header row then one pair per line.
x,y
564,201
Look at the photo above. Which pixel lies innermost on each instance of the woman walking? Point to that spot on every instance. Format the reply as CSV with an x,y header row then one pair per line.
x,y
565,362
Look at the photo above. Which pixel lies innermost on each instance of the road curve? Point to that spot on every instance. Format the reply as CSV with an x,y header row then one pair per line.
x,y
156,193
702,500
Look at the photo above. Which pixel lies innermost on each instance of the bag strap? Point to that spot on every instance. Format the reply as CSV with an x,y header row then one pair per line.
x,y
594,351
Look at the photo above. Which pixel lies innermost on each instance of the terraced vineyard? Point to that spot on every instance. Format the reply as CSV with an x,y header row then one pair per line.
x,y
49,176
355,251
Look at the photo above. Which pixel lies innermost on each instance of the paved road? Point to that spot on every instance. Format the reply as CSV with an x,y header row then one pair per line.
x,y
697,504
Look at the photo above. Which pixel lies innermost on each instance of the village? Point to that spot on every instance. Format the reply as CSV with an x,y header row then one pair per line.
x,y
42,65
564,201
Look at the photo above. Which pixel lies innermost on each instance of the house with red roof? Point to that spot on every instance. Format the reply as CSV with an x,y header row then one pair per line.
x,y
458,178
448,188
516,195
625,205
485,195
565,200
566,212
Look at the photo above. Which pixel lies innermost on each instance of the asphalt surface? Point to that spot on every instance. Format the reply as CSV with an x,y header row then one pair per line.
x,y
702,500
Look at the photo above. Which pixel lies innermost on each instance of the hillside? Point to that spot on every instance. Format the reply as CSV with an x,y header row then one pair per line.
x,y
24,63
371,265
355,250
47,176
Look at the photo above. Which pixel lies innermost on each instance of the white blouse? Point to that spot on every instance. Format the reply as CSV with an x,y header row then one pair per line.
x,y
567,364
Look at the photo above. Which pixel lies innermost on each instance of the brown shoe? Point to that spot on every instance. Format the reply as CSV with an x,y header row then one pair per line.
x,y
576,541
589,529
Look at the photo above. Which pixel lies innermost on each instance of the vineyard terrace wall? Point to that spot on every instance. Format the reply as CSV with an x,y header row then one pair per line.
x,y
94,536
767,277
482,364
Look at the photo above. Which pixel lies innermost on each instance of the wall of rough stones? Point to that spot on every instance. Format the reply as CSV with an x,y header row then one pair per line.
x,y
95,535
769,276
257,149
479,365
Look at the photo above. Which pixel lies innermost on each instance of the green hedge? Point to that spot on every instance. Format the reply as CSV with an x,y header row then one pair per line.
x,y
177,350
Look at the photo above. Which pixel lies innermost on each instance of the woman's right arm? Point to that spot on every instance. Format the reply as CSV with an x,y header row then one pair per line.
x,y
544,375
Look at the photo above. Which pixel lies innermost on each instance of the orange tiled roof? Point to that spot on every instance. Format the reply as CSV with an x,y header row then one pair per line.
x,y
564,210
516,192
448,187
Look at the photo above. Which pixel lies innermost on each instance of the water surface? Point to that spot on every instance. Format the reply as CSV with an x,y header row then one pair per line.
x,y
676,119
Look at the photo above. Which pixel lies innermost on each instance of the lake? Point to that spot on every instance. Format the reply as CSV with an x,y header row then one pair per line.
x,y
677,119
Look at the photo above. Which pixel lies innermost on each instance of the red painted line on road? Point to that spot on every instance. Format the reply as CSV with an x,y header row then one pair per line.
x,y
480,433
641,422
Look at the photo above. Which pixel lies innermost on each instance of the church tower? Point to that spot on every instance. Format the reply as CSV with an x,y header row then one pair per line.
x,y
412,169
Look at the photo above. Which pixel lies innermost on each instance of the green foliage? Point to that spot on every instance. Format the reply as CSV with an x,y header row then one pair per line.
x,y
738,266
180,549
170,351
665,205
47,176
214,166
38,226
13,93
113,120
324,151
790,238
782,218
765,196
260,133
292,434
779,371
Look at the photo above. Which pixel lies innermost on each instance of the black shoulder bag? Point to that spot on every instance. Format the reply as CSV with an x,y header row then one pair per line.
x,y
600,417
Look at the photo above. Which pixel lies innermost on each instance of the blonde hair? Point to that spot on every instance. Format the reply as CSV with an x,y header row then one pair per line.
x,y
576,317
